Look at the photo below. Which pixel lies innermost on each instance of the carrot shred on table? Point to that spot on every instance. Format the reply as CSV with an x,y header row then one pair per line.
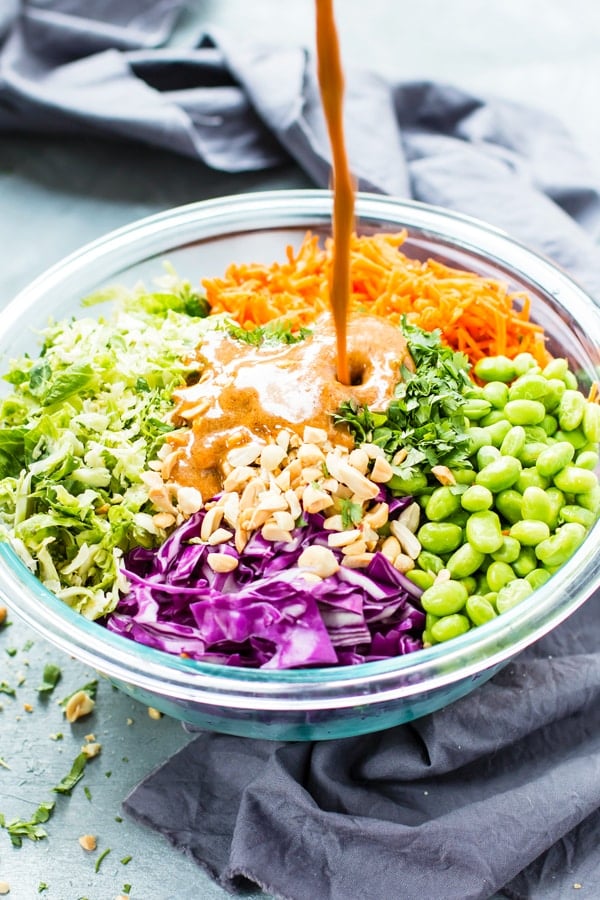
x,y
475,314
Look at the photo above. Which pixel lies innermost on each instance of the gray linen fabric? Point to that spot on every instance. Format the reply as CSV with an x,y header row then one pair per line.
x,y
502,789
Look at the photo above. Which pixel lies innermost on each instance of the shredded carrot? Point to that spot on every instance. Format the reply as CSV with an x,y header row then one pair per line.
x,y
475,314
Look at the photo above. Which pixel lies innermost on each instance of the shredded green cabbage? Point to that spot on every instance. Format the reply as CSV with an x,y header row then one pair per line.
x,y
79,429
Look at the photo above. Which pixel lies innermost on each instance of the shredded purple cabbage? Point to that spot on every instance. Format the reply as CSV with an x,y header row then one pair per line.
x,y
265,614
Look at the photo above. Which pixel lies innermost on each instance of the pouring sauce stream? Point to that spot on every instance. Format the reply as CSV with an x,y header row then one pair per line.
x,y
331,83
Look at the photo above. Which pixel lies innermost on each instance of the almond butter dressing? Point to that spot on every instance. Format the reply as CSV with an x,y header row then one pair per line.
x,y
250,393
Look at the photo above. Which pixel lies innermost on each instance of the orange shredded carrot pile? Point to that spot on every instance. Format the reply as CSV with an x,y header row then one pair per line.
x,y
475,314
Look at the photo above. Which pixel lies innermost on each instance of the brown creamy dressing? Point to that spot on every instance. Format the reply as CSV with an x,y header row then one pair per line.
x,y
250,393
331,83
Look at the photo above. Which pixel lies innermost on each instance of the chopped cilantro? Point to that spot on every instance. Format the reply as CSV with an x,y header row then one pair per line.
x,y
27,646
51,677
126,888
57,736
87,793
425,417
126,860
118,818
5,688
351,513
42,886
12,651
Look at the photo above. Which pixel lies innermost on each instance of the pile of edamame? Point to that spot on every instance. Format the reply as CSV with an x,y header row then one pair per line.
x,y
509,522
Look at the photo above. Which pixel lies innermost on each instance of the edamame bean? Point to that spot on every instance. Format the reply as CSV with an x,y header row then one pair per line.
x,y
469,583
499,474
475,408
549,424
590,499
422,579
537,577
498,574
508,504
464,476
495,368
575,480
444,598
430,562
512,593
509,551
478,437
554,458
497,431
556,368
497,393
479,609
571,409
524,412
587,459
525,362
430,621
530,477
557,501
459,517
450,627
571,380
486,455
464,561
557,549
577,438
441,504
570,512
494,416
440,537
530,532
408,485
537,505
530,453
483,531
526,562
591,422
528,387
476,498
552,397
513,441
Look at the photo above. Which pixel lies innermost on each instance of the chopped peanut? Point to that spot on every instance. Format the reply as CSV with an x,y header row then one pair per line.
x,y
154,713
79,705
88,842
222,562
319,560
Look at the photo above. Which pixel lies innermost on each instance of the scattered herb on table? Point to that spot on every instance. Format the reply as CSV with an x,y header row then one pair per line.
x,y
101,859
31,829
90,688
66,785
5,688
51,677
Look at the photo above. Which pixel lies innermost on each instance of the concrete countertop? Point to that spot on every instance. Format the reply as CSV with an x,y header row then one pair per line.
x,y
56,195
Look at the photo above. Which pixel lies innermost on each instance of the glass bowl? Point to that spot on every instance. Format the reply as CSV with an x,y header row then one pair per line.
x,y
200,240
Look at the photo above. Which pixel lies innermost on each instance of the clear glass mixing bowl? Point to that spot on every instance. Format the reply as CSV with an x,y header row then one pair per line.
x,y
200,240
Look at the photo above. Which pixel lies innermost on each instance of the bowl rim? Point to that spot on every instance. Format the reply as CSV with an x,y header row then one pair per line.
x,y
315,688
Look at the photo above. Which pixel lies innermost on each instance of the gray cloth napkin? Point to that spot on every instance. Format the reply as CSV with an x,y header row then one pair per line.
x,y
501,789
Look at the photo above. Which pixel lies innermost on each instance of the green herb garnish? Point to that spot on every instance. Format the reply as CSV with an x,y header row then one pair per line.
x,y
272,333
425,417
51,677
32,829
66,784
100,859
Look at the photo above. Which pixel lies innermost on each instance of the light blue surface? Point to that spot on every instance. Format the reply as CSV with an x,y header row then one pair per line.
x,y
56,195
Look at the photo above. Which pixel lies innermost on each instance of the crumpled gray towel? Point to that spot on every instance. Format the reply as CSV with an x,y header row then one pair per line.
x,y
501,789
